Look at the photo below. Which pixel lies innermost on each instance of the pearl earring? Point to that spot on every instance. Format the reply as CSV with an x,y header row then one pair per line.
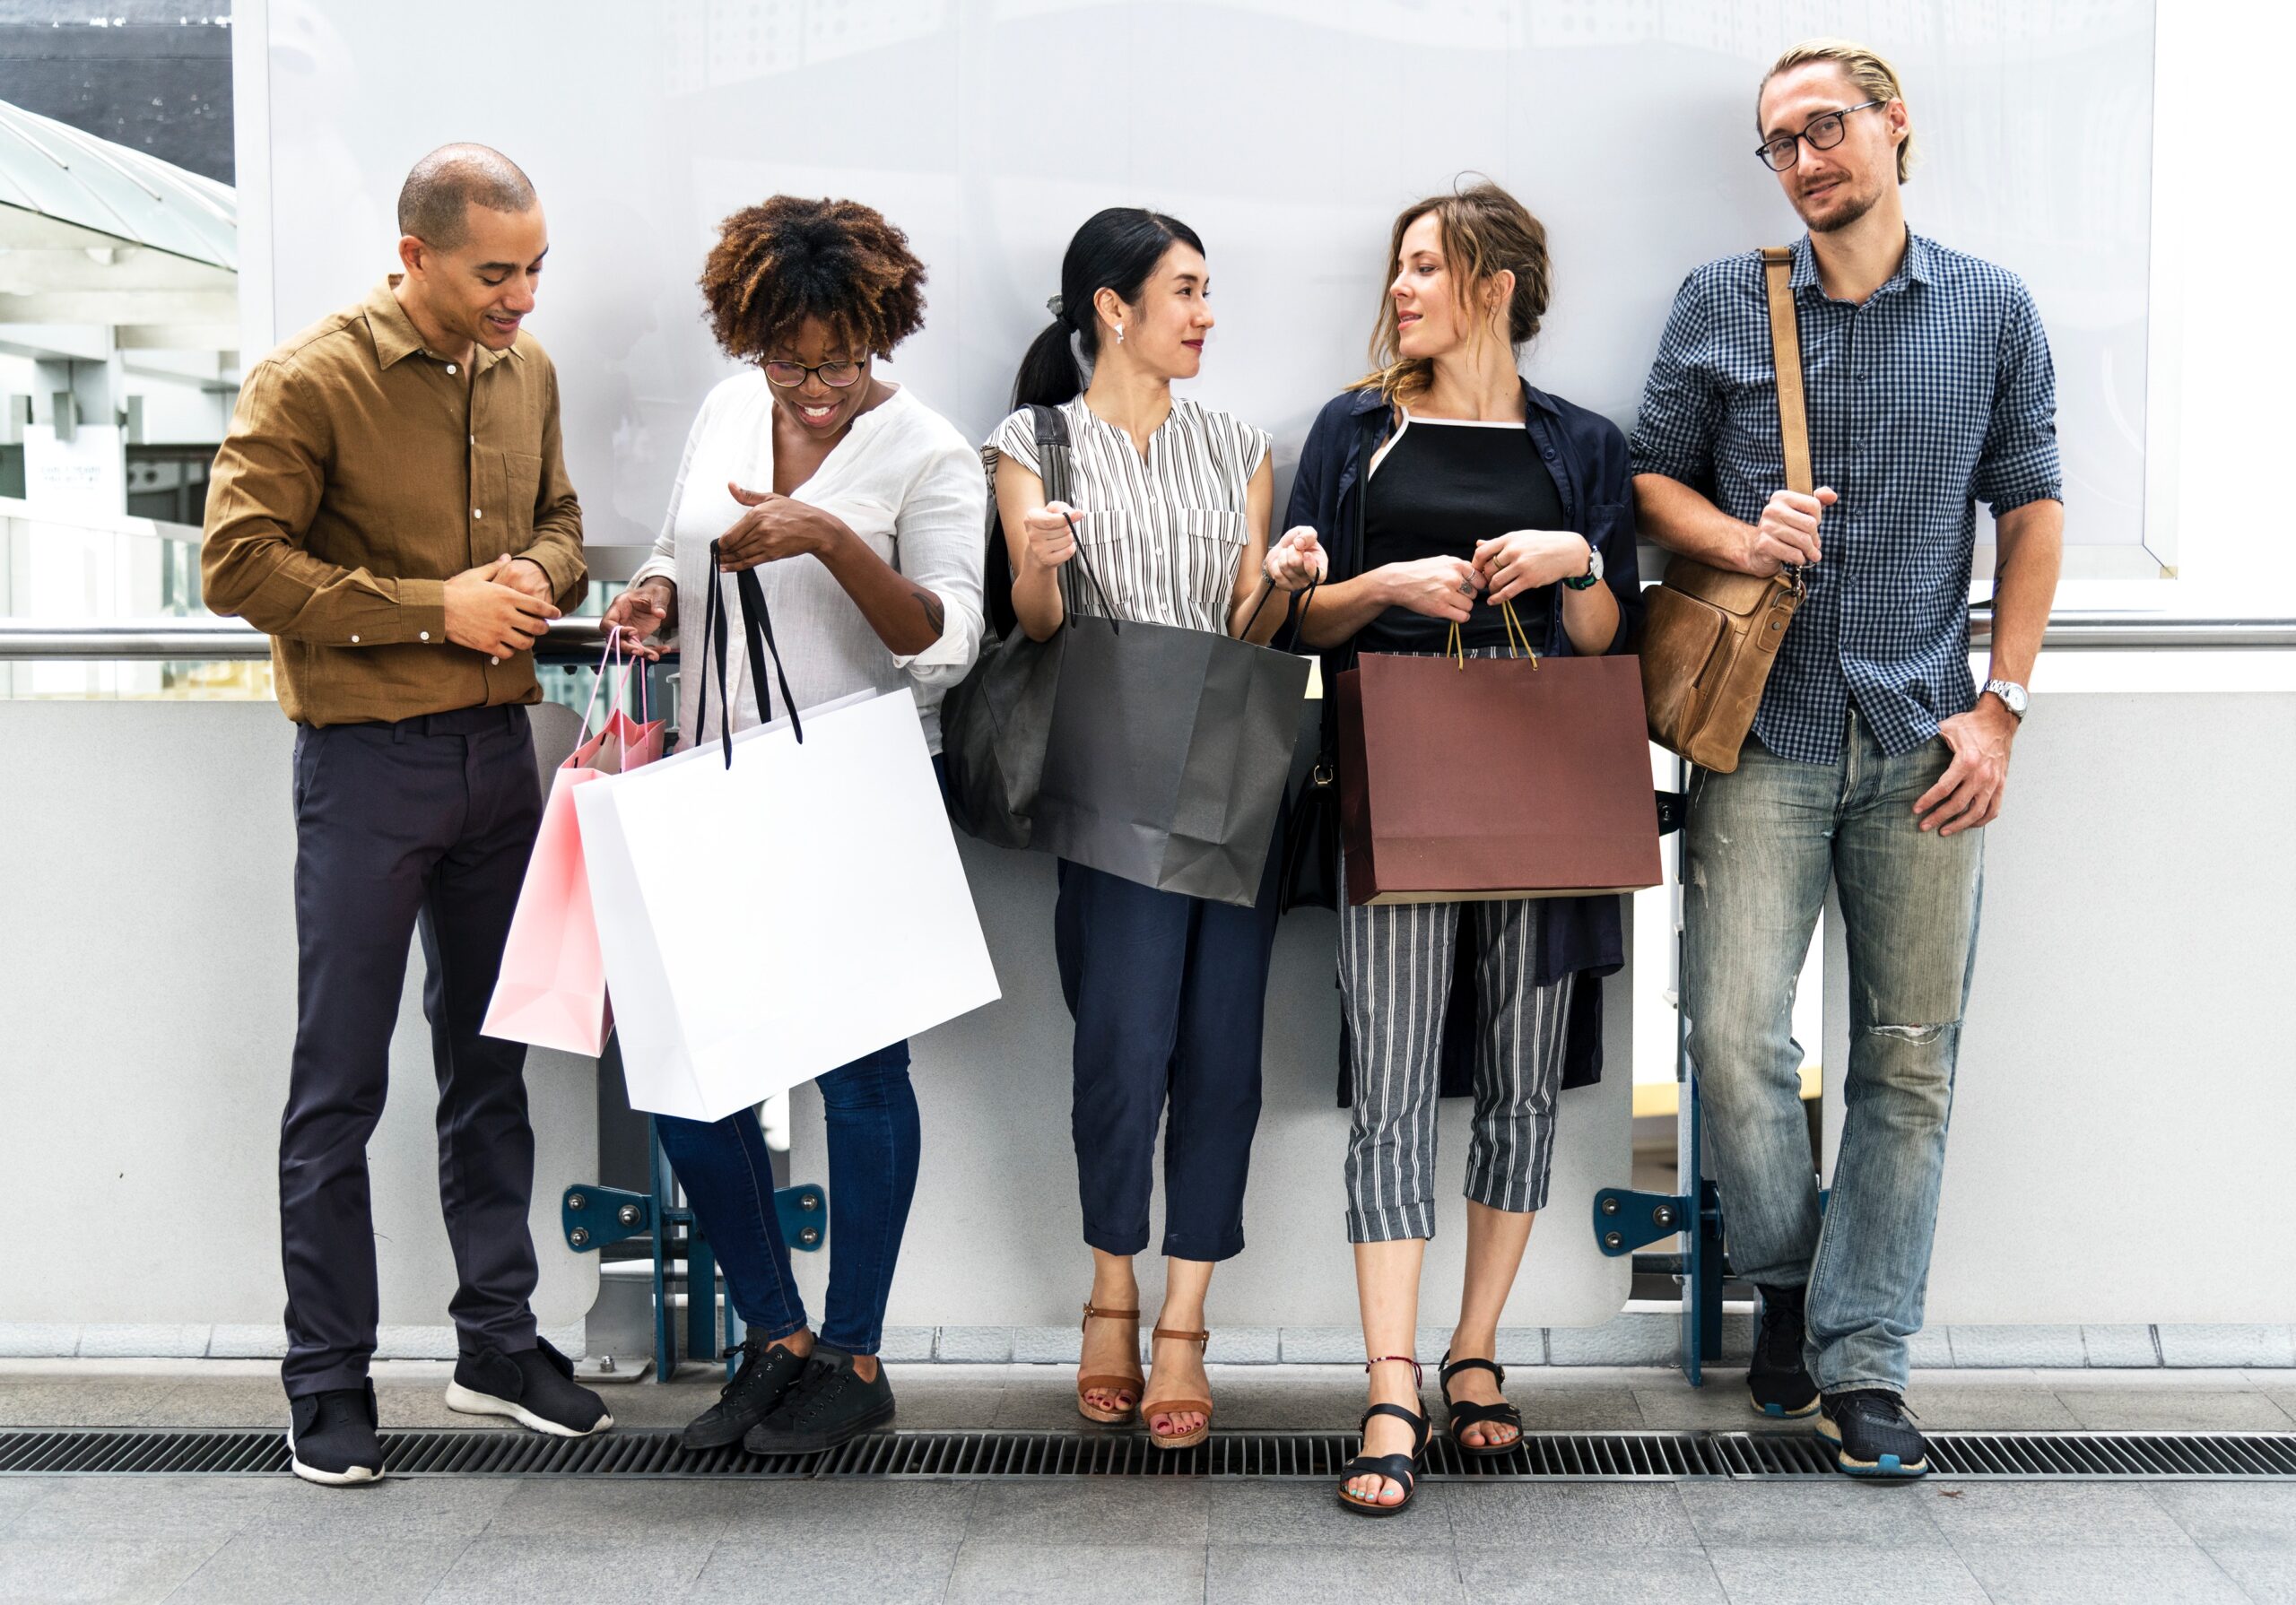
x,y
1120,334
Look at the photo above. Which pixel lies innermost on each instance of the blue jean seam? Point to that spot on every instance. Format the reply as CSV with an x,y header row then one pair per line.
x,y
793,1303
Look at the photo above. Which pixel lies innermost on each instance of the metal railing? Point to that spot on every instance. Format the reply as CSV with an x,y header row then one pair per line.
x,y
227,640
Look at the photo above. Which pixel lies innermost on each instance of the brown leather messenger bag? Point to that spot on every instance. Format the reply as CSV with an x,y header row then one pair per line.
x,y
1712,634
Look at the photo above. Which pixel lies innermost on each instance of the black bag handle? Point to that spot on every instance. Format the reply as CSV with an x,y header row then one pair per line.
x,y
1054,461
757,630
1299,618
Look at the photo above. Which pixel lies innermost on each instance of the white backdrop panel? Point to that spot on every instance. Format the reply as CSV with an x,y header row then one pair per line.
x,y
1286,132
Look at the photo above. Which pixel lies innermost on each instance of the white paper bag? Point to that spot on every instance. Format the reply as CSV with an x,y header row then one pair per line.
x,y
768,922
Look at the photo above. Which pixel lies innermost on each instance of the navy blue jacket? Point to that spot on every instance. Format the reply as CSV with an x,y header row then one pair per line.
x,y
1588,455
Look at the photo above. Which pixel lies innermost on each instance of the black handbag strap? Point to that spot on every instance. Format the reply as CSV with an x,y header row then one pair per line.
x,y
717,645
1056,470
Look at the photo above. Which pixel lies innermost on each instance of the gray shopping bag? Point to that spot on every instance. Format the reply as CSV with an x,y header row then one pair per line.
x,y
1167,756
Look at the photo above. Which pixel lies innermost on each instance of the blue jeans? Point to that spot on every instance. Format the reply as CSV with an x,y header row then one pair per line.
x,y
1761,844
871,1111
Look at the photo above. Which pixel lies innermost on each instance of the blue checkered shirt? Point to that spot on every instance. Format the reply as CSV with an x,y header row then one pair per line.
x,y
1935,394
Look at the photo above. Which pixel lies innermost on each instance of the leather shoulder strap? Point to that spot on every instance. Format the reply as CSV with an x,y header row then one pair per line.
x,y
1786,352
1052,452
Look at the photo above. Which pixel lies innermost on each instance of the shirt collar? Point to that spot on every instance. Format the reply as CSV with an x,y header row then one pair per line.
x,y
1920,265
396,336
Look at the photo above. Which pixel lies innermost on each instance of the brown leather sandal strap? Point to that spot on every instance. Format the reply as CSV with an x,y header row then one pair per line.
x,y
1192,1337
1175,1407
1109,1382
1091,1314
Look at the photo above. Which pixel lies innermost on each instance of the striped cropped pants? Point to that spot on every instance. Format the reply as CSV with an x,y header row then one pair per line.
x,y
1396,964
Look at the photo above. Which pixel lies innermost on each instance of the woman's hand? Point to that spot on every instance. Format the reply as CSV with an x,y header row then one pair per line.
x,y
1434,587
775,527
1297,561
1051,536
1524,560
640,613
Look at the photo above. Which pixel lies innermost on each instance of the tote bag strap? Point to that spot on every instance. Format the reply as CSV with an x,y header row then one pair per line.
x,y
1057,468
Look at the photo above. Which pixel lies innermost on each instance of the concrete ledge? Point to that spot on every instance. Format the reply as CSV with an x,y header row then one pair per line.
x,y
1636,1337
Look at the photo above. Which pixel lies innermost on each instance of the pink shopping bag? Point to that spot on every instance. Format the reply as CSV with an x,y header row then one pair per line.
x,y
551,989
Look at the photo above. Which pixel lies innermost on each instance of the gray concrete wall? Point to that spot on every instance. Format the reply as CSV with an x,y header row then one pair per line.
x,y
147,1005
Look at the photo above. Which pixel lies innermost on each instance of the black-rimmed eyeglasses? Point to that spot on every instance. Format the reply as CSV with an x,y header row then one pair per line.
x,y
837,376
1824,133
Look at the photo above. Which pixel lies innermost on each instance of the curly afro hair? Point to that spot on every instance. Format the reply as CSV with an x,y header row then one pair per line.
x,y
778,265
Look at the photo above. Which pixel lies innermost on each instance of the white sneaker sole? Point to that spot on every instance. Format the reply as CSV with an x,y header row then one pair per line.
x,y
469,1401
356,1474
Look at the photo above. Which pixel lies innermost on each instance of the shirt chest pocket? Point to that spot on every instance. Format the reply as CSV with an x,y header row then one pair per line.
x,y
502,507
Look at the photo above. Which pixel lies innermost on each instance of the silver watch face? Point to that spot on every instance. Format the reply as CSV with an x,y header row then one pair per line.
x,y
2010,692
1594,561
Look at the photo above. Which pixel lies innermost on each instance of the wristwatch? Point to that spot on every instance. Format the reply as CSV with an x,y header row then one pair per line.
x,y
2010,693
1594,569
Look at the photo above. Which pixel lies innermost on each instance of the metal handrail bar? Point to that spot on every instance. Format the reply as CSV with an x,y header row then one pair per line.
x,y
227,639
110,524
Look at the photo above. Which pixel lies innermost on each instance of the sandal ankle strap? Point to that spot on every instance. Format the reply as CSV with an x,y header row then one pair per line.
x,y
1093,1313
1192,1337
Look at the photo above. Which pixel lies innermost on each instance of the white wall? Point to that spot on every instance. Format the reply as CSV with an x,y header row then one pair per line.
x,y
1287,132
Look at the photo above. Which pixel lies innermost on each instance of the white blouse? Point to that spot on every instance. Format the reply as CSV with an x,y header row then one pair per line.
x,y
1166,531
903,480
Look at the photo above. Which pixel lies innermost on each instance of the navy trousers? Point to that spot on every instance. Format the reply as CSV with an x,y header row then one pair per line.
x,y
1169,992
423,824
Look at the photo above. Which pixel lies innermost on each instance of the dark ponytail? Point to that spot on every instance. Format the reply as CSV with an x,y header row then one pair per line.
x,y
1115,249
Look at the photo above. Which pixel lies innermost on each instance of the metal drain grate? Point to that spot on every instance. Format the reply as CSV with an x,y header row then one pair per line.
x,y
1541,1456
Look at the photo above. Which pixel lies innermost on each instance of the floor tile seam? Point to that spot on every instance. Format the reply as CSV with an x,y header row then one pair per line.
x,y
207,1560
433,1591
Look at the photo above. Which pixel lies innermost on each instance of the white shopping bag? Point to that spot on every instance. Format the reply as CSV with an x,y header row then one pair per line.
x,y
765,921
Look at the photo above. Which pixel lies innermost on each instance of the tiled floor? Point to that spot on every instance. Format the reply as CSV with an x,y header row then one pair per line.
x,y
246,1541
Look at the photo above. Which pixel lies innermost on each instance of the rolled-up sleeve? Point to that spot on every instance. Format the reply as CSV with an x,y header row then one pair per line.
x,y
1682,411
2019,462
940,531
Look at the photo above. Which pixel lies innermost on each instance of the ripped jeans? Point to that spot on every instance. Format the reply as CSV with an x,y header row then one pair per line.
x,y
1761,847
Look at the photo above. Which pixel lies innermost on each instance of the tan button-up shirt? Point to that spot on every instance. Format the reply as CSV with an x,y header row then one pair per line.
x,y
360,473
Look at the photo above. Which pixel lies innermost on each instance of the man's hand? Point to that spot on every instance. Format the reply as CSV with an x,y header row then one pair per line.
x,y
1786,533
1434,587
1968,794
524,574
1524,560
1050,535
775,527
486,613
638,613
1296,560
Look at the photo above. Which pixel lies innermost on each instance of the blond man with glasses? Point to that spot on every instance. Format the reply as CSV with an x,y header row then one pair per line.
x,y
1876,761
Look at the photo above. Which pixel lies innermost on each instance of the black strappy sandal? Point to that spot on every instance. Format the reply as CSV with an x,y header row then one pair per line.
x,y
1462,1416
1395,1468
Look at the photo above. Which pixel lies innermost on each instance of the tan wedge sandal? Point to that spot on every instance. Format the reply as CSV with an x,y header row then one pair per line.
x,y
1127,1386
1150,1407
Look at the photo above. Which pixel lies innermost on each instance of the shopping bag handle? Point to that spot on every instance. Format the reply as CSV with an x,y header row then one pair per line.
x,y
1107,608
757,630
610,657
1516,638
1299,618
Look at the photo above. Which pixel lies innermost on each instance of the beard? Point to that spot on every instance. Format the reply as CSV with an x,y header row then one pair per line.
x,y
1849,212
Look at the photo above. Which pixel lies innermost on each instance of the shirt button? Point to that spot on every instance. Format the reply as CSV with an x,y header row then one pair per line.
x,y
450,367
354,640
426,635
493,660
478,512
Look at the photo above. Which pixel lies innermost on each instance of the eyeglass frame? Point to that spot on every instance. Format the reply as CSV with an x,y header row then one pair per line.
x,y
813,369
1761,150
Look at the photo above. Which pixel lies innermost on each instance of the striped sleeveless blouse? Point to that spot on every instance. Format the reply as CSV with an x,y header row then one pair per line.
x,y
1166,531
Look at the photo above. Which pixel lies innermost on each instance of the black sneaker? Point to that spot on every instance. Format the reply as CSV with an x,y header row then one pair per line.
x,y
1777,1379
534,1387
331,1436
829,1404
766,1374
1870,1436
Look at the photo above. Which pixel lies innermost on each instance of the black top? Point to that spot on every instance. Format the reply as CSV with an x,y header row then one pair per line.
x,y
1443,486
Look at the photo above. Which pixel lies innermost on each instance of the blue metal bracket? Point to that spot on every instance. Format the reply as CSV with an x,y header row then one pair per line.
x,y
1625,1220
593,1217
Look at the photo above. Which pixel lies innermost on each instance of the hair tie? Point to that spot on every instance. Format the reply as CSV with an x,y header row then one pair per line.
x,y
1053,307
